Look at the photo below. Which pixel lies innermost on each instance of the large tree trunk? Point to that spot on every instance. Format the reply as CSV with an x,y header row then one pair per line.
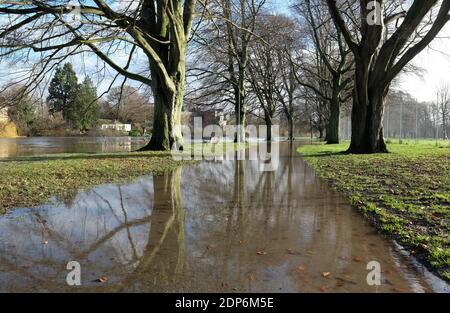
x,y
291,127
320,132
335,115
367,114
166,134
333,123
444,127
268,129
240,112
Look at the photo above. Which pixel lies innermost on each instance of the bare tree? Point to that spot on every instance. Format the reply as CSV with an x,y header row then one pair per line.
x,y
44,33
335,55
288,90
310,72
266,66
129,105
227,36
443,107
383,42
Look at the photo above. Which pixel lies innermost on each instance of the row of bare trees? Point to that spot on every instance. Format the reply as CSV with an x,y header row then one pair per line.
x,y
324,54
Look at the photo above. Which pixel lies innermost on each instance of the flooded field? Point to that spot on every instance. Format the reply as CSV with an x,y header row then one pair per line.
x,y
16,147
221,226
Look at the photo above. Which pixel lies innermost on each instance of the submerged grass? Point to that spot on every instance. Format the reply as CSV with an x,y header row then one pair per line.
x,y
405,193
29,181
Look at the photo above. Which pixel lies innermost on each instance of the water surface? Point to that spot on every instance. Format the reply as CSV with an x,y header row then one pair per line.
x,y
210,227
16,147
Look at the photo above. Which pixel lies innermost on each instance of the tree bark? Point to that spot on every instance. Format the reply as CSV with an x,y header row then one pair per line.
x,y
268,129
333,122
166,133
320,133
291,127
240,111
367,114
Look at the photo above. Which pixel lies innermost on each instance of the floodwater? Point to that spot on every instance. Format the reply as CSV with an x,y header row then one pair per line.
x,y
220,226
16,147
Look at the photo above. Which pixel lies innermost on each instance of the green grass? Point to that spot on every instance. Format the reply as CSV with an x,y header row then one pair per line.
x,y
405,193
29,181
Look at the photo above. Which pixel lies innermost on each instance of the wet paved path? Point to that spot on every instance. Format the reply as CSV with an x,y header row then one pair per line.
x,y
209,227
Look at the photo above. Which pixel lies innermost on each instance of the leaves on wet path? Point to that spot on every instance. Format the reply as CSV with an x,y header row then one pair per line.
x,y
326,274
102,279
301,269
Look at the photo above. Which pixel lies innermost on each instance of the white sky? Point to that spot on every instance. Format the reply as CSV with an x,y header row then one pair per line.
x,y
436,62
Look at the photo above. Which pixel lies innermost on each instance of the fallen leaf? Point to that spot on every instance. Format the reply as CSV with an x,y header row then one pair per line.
x,y
102,279
326,274
301,269
399,290
261,253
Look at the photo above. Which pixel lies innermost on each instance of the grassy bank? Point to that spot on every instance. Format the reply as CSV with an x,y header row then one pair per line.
x,y
29,181
405,193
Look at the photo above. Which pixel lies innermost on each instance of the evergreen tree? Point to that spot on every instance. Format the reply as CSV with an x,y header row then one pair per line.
x,y
77,102
63,90
84,111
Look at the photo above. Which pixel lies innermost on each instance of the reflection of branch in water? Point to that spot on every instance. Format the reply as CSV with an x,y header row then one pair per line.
x,y
167,234
111,234
125,215
11,267
108,203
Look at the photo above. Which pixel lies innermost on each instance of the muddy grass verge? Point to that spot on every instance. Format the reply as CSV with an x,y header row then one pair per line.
x,y
30,181
405,194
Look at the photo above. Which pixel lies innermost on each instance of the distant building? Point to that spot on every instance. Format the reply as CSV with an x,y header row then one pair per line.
x,y
117,126
210,117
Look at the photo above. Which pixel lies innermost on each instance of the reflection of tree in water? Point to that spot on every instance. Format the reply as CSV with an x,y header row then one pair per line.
x,y
164,259
115,231
271,212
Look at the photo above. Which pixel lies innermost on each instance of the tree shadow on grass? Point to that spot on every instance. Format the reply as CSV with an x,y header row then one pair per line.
x,y
325,154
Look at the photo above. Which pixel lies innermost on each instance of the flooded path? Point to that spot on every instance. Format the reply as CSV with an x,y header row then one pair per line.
x,y
210,227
